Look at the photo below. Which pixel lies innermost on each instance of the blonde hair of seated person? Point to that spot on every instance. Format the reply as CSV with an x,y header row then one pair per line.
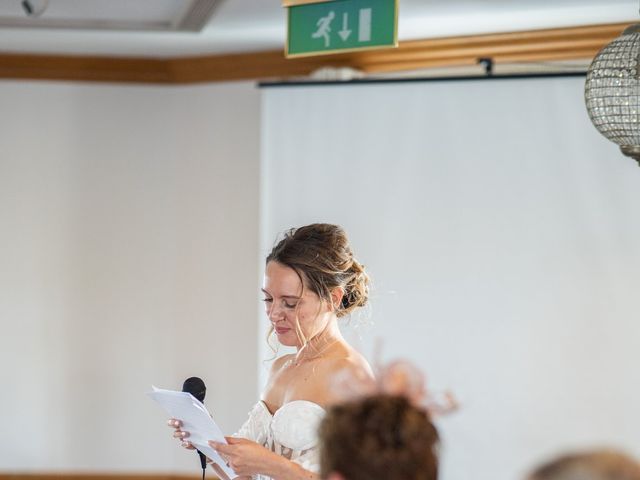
x,y
593,465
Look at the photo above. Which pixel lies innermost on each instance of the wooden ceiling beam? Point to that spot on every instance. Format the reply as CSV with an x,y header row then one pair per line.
x,y
532,46
84,68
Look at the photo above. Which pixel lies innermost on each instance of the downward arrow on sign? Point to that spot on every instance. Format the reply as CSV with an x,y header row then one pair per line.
x,y
345,32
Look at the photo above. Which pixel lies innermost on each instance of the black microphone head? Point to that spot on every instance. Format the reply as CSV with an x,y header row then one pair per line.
x,y
195,386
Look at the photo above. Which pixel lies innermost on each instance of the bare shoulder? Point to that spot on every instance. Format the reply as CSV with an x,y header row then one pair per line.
x,y
280,362
351,367
352,362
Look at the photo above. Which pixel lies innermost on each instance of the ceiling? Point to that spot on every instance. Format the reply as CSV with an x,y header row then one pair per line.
x,y
174,28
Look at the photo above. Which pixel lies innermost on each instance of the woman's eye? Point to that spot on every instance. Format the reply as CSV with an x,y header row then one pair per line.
x,y
289,305
267,300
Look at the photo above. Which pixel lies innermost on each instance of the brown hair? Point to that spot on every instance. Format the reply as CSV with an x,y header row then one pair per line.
x,y
379,436
321,256
595,465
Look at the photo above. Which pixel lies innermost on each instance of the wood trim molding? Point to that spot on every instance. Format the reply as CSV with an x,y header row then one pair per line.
x,y
516,47
98,476
101,69
294,3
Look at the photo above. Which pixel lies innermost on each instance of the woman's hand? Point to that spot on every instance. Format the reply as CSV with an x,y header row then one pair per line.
x,y
247,457
180,434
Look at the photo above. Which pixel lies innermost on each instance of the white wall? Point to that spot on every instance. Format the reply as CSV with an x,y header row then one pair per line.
x,y
503,236
501,230
128,256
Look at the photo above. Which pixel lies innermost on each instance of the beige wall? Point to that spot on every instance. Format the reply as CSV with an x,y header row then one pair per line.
x,y
128,256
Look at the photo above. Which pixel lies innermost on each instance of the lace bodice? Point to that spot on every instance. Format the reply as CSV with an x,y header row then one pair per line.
x,y
291,431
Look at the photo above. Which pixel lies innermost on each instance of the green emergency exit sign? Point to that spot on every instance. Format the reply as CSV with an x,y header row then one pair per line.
x,y
341,25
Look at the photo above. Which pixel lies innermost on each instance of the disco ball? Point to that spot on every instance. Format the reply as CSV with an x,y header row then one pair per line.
x,y
612,91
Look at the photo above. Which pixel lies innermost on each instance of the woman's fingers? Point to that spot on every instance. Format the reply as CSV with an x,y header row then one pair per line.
x,y
234,440
221,448
179,434
225,451
174,422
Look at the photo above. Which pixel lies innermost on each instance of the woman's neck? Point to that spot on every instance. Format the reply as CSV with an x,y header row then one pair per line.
x,y
318,345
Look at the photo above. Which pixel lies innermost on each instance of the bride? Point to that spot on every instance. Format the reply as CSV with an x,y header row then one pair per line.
x,y
311,279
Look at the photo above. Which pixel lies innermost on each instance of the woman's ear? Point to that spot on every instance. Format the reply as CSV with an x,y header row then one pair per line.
x,y
336,297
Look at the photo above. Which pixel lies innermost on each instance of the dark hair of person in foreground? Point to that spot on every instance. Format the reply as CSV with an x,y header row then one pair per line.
x,y
381,436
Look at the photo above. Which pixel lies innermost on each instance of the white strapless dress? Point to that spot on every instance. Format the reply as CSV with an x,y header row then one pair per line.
x,y
291,431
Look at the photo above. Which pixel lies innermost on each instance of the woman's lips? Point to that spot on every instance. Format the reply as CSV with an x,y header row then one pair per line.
x,y
281,330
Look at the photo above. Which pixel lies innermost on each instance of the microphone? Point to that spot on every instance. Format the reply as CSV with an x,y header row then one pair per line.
x,y
196,387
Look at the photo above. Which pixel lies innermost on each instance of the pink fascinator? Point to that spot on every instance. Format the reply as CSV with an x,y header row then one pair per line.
x,y
401,378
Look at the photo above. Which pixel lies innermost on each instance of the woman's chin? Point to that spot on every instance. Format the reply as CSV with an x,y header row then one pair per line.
x,y
286,340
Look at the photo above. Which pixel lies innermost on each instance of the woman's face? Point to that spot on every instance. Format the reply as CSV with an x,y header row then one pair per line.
x,y
283,303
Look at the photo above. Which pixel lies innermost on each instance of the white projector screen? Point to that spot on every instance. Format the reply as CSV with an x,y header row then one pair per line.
x,y
503,236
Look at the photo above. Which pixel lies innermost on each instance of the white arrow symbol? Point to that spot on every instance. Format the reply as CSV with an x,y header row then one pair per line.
x,y
345,32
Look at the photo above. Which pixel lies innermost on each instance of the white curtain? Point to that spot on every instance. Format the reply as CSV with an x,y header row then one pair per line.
x,y
503,237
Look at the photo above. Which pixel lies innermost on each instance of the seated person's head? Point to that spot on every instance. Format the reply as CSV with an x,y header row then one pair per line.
x,y
381,436
597,465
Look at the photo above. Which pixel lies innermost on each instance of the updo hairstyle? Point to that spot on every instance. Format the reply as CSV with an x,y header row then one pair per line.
x,y
321,256
380,436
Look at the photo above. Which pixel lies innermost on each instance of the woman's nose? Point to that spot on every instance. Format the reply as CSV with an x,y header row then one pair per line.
x,y
275,313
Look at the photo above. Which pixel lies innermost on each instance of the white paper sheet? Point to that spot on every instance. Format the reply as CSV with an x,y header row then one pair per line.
x,y
196,420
